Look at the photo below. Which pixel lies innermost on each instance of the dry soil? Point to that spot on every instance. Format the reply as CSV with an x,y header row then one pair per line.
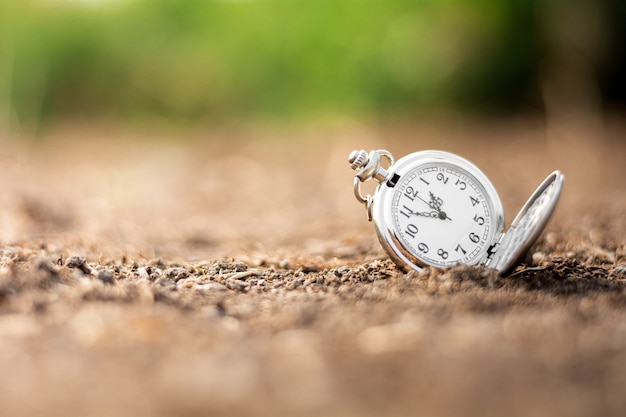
x,y
232,272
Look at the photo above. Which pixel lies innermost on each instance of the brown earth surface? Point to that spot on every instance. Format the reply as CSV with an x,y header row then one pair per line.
x,y
233,273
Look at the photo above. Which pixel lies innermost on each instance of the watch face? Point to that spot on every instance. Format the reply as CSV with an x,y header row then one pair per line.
x,y
443,215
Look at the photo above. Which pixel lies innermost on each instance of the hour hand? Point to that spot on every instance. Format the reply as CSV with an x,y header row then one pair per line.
x,y
426,213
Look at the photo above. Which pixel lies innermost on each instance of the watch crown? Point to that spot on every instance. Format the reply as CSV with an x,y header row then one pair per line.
x,y
357,159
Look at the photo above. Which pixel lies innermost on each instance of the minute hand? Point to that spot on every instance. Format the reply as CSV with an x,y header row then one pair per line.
x,y
427,203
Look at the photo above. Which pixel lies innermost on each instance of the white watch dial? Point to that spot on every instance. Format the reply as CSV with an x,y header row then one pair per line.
x,y
442,215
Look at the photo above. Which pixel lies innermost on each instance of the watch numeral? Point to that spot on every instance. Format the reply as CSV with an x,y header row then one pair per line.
x,y
442,178
411,230
406,211
462,185
460,249
479,220
422,247
474,201
474,237
442,253
410,193
424,181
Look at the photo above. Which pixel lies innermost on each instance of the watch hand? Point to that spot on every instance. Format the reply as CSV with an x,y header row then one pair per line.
x,y
436,203
426,214
426,202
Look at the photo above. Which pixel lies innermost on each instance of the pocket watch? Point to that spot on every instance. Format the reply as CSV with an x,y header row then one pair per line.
x,y
435,208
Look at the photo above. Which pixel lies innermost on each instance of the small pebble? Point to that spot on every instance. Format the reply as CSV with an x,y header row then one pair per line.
x,y
143,273
106,277
176,273
538,257
79,263
235,284
211,286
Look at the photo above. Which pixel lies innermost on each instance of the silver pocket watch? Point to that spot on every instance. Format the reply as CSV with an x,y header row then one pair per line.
x,y
435,208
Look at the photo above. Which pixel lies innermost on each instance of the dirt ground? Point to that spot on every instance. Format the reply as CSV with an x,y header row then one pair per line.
x,y
232,273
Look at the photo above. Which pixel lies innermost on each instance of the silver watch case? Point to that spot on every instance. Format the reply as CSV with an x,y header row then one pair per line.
x,y
505,249
527,225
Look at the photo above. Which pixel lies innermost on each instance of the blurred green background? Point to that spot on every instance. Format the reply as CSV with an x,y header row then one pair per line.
x,y
190,62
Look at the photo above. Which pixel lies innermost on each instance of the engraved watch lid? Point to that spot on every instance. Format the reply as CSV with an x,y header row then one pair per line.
x,y
528,224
